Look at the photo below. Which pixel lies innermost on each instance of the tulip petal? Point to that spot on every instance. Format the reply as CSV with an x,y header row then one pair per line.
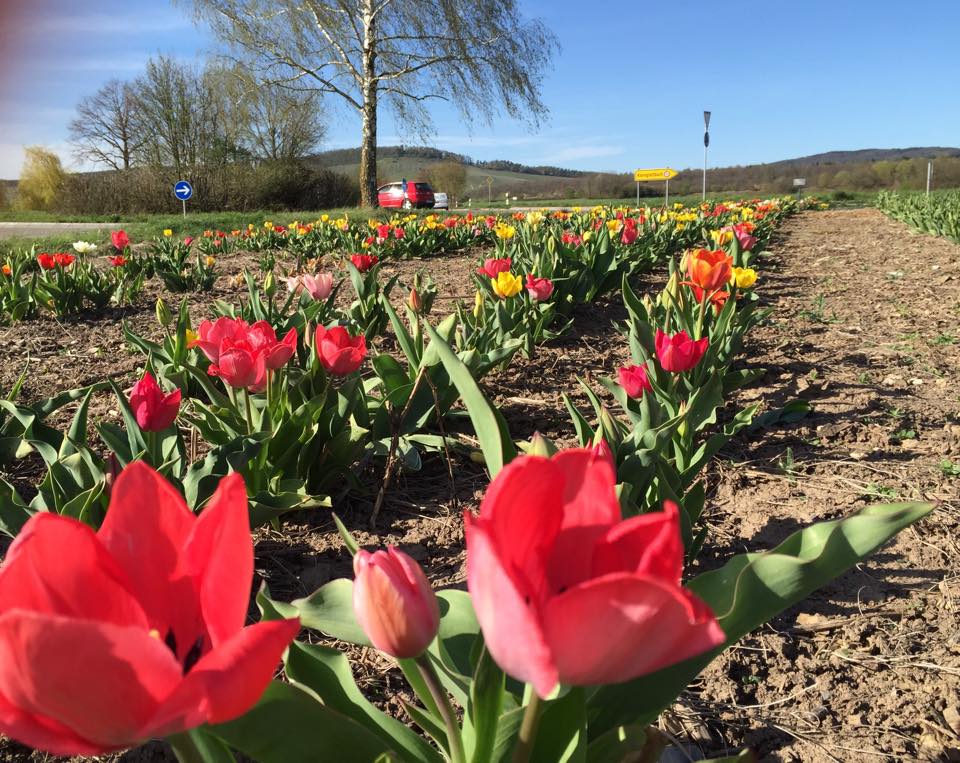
x,y
102,681
56,565
43,733
219,556
523,510
227,681
590,507
511,627
146,528
649,544
622,626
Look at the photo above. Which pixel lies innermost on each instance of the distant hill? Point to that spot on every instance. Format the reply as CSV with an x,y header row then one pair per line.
x,y
862,169
872,155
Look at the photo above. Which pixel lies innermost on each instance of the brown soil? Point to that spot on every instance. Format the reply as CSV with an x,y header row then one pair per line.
x,y
865,669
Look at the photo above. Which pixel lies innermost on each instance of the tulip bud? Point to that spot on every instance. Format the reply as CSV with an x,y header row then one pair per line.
x,y
414,302
394,603
609,427
478,305
541,446
552,245
113,471
164,317
269,285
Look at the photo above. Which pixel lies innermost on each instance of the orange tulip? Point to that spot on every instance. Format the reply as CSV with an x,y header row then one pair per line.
x,y
710,270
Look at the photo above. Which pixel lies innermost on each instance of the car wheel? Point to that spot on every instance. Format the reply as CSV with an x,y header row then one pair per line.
x,y
407,204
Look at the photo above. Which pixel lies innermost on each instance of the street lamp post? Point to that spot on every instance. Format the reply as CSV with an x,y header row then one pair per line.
x,y
706,144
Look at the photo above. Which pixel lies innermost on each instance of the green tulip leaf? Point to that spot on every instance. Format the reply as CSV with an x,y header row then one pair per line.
x,y
750,590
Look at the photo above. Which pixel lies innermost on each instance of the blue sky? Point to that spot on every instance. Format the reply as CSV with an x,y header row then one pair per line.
x,y
627,90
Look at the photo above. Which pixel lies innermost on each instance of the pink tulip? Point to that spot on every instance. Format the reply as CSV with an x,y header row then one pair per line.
x,y
678,353
318,286
539,289
394,603
154,410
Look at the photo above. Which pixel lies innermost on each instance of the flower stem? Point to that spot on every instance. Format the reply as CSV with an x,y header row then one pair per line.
x,y
528,730
454,738
249,410
184,748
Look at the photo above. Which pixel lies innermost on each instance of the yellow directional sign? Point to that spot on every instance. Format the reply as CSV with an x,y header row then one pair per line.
x,y
661,173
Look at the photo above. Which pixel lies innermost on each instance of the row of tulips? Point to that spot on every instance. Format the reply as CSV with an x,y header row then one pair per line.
x,y
937,214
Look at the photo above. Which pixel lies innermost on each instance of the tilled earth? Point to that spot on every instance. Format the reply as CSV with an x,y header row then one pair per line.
x,y
865,328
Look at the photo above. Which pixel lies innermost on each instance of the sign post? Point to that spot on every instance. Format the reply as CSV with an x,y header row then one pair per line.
x,y
799,183
706,144
648,176
183,191
489,181
929,176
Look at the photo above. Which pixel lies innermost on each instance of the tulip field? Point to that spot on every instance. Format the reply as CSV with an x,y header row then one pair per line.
x,y
595,485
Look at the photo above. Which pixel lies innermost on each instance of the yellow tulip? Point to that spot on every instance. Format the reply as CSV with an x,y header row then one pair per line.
x,y
210,261
324,218
721,237
504,231
587,235
268,225
613,226
535,218
167,232
506,284
744,278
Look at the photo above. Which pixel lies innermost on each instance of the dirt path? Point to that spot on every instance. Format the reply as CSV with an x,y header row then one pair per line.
x,y
866,328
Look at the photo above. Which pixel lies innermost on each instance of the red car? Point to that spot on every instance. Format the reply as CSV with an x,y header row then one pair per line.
x,y
417,195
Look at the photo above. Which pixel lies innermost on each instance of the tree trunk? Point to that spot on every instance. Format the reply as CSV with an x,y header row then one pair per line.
x,y
368,149
368,145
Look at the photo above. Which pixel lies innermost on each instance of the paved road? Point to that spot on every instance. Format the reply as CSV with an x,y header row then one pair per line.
x,y
42,230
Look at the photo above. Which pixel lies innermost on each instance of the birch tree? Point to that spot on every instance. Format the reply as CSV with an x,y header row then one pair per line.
x,y
482,56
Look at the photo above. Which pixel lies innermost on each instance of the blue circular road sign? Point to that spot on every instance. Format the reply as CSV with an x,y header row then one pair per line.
x,y
183,190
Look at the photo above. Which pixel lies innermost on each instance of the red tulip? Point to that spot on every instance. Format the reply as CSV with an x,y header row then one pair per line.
x,y
571,239
394,603
539,289
709,270
276,353
679,352
602,451
119,261
634,381
154,410
629,234
120,240
383,232
46,261
363,262
111,638
63,259
241,365
494,266
211,334
566,591
339,353
188,240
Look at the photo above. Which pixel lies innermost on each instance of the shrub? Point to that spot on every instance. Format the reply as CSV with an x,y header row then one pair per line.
x,y
41,179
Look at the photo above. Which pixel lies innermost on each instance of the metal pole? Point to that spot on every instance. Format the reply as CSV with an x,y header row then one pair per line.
x,y
929,176
638,194
184,208
704,172
666,195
